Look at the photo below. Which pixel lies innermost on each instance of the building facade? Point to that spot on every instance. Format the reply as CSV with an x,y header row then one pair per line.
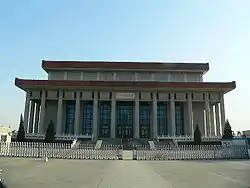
x,y
131,99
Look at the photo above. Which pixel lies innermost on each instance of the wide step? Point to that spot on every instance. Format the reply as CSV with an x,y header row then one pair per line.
x,y
127,155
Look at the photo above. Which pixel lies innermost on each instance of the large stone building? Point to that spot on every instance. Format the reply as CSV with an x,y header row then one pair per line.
x,y
124,99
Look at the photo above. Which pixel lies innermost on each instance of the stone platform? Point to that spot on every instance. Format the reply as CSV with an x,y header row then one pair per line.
x,y
30,173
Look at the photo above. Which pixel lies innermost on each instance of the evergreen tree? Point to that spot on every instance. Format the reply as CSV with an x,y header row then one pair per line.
x,y
50,133
228,133
197,135
21,131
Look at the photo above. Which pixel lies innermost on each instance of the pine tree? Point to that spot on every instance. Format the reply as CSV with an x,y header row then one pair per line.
x,y
50,133
197,135
21,131
228,133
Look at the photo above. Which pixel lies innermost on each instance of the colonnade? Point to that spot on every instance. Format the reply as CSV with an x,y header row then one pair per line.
x,y
34,115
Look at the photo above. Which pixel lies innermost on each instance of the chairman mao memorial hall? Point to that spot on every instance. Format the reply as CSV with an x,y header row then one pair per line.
x,y
86,99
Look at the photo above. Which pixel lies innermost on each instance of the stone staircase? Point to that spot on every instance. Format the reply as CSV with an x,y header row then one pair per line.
x,y
162,144
110,142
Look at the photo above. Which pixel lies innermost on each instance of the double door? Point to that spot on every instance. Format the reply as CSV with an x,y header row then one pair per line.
x,y
123,131
145,131
124,119
104,131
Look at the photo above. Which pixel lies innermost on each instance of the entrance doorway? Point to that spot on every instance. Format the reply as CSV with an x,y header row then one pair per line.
x,y
124,131
145,119
124,119
104,119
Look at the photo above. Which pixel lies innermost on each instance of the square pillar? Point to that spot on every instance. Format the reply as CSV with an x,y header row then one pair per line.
x,y
77,114
59,113
42,114
113,115
190,115
31,121
172,113
26,111
137,116
212,120
207,112
217,118
154,128
222,112
37,117
95,115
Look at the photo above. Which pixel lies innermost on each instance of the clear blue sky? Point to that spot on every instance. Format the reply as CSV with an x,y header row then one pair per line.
x,y
217,31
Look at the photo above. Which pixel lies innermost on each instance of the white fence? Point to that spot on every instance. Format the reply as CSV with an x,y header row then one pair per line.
x,y
192,152
58,137
188,138
57,150
113,152
89,136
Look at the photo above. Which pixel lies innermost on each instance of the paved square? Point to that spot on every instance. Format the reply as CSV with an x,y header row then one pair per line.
x,y
30,173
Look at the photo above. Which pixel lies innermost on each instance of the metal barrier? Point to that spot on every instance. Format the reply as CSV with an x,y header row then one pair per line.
x,y
192,152
57,150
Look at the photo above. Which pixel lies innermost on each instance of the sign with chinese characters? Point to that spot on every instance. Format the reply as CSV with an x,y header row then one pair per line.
x,y
125,95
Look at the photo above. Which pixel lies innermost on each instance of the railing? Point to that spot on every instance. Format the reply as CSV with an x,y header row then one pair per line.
x,y
58,137
187,138
90,136
192,152
57,150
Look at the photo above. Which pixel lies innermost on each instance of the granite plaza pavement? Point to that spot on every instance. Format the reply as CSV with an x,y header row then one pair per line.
x,y
36,173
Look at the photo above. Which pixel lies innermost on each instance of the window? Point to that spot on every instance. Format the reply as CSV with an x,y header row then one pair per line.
x,y
144,113
104,119
145,120
162,118
179,118
87,117
124,113
70,118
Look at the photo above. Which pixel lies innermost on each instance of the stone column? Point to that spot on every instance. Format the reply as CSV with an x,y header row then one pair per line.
x,y
42,114
113,115
212,120
77,114
190,115
95,115
59,113
217,118
172,113
222,112
154,128
31,122
137,116
37,117
26,111
207,111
